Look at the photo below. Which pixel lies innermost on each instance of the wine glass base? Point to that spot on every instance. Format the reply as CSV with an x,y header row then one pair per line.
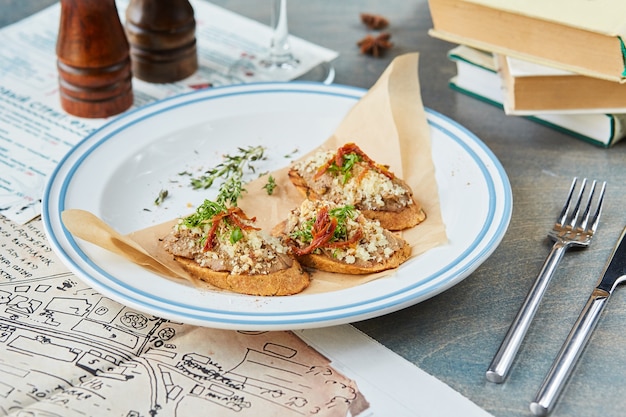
x,y
324,73
247,71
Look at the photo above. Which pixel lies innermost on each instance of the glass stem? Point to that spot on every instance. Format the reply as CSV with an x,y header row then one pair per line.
x,y
280,50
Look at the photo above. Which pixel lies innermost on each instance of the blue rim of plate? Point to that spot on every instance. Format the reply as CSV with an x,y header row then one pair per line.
x,y
366,308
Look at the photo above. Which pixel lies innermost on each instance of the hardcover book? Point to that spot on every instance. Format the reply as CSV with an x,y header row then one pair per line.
x,y
582,36
477,77
531,88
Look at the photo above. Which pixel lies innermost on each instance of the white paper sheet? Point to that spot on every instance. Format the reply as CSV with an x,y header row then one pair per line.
x,y
35,133
392,385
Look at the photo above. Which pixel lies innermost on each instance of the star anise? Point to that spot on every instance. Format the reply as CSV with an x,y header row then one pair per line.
x,y
375,45
374,21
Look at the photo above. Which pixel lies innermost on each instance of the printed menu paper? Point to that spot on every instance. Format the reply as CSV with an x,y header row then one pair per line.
x,y
35,132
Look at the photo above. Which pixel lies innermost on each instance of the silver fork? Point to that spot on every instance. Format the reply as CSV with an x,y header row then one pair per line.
x,y
572,228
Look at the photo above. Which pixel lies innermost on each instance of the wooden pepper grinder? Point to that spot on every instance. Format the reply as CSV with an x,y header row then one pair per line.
x,y
93,59
162,37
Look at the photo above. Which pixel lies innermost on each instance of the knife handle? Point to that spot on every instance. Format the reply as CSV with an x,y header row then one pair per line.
x,y
565,361
503,359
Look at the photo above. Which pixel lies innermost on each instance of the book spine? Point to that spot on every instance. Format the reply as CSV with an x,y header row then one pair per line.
x,y
484,84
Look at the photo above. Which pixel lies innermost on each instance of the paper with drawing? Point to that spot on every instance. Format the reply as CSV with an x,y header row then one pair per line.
x,y
68,351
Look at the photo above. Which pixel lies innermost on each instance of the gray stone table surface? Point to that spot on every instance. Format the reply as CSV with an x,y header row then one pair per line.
x,y
454,335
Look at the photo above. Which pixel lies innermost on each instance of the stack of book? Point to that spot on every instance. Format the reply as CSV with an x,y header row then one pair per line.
x,y
561,63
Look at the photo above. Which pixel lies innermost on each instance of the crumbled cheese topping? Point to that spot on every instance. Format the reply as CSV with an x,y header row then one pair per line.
x,y
369,191
254,253
373,246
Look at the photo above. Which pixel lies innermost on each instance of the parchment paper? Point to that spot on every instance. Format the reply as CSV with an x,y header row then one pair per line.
x,y
388,123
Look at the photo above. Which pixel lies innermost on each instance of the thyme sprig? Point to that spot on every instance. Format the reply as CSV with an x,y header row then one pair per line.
x,y
161,197
232,170
270,186
231,166
230,191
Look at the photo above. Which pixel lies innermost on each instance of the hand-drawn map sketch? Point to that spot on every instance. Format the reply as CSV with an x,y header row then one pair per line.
x,y
66,350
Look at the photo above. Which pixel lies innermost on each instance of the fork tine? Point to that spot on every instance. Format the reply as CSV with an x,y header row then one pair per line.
x,y
585,217
574,215
568,201
596,217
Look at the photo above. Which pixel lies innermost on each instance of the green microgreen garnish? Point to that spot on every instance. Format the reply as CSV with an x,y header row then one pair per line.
x,y
342,214
236,235
303,233
349,161
233,222
204,213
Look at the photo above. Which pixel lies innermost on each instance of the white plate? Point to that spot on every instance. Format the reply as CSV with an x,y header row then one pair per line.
x,y
118,171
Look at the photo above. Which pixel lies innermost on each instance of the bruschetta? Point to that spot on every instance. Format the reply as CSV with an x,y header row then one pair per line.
x,y
221,245
334,238
349,177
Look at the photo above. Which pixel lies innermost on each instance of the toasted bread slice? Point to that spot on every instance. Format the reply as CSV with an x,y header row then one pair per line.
x,y
288,281
324,262
219,245
349,176
336,238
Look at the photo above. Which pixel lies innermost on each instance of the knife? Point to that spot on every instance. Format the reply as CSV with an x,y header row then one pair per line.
x,y
555,380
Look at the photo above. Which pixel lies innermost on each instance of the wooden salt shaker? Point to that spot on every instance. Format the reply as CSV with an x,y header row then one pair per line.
x,y
162,37
93,60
